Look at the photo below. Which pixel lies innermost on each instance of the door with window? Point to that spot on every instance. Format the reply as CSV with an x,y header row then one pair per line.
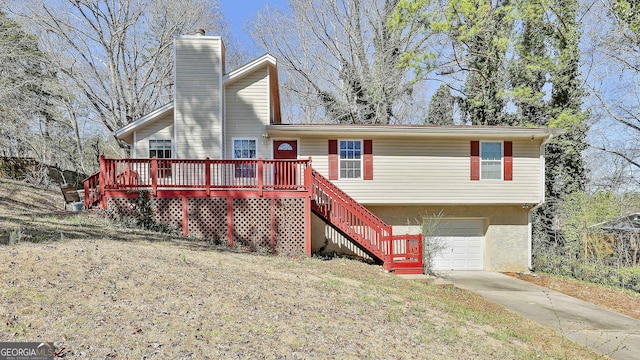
x,y
285,174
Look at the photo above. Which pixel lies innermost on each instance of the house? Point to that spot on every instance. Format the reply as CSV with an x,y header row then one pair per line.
x,y
617,238
221,163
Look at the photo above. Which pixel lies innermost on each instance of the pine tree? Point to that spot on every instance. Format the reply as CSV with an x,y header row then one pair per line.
x,y
479,32
528,72
565,169
440,110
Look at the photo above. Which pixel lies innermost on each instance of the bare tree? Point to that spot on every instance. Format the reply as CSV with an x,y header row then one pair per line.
x,y
341,60
30,93
115,55
613,50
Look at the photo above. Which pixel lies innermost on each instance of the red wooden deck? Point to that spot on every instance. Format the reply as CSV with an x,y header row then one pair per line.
x,y
248,184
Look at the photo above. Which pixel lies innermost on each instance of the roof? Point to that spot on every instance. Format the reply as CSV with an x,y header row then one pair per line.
x,y
480,132
128,129
629,222
126,132
248,68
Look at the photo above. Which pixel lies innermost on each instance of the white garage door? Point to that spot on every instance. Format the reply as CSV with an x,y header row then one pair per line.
x,y
463,244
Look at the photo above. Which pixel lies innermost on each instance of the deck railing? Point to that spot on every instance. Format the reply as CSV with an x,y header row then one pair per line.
x,y
362,226
202,174
92,193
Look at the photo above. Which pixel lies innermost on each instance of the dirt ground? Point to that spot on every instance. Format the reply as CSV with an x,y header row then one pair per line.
x,y
625,302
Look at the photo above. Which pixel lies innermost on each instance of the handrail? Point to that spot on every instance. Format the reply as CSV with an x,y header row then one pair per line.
x,y
92,193
350,217
364,227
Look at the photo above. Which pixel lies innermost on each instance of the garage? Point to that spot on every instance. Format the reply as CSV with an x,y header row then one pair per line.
x,y
463,244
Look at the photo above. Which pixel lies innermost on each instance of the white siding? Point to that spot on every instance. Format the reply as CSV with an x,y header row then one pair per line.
x,y
247,110
198,77
420,171
158,129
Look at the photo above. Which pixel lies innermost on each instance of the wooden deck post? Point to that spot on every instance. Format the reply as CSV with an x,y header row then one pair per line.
x,y
260,177
388,263
273,223
102,179
307,178
85,184
420,254
207,176
154,175
185,217
307,226
230,220
307,208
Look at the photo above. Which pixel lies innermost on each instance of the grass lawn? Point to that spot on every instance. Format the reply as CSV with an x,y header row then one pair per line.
x,y
100,291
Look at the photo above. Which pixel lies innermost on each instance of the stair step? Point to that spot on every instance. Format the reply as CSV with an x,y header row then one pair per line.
x,y
411,270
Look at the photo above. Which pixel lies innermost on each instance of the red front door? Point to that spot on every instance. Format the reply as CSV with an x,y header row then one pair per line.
x,y
285,174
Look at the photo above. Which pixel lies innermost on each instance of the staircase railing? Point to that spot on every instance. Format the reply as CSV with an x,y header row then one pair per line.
x,y
92,193
365,229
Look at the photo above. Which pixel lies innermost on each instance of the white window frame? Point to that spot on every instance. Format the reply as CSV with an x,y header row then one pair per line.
x,y
482,161
253,171
160,139
340,160
233,147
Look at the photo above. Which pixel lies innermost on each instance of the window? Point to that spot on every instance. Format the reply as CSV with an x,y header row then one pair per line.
x,y
491,160
161,149
245,149
350,159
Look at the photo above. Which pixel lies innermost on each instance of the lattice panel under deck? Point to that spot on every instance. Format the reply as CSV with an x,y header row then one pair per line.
x,y
252,222
169,211
289,226
123,207
208,218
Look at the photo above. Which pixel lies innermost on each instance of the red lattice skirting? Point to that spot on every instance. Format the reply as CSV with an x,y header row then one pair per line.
x,y
281,224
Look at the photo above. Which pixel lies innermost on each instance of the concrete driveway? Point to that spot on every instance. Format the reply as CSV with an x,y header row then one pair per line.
x,y
605,331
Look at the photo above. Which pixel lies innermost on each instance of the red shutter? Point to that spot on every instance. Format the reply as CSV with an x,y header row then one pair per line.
x,y
368,160
333,159
508,160
475,160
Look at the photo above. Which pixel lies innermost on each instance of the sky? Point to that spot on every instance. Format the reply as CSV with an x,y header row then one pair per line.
x,y
238,12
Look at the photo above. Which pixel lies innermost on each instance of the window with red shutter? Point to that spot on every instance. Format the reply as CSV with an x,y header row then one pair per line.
x,y
491,160
350,159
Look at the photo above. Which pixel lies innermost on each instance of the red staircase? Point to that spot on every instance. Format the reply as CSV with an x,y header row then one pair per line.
x,y
400,253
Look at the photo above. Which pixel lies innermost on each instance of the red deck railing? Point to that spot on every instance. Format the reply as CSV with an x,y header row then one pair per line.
x,y
92,190
188,174
401,253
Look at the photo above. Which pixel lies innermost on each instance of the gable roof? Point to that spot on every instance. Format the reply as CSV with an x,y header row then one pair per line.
x,y
126,133
127,130
247,68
